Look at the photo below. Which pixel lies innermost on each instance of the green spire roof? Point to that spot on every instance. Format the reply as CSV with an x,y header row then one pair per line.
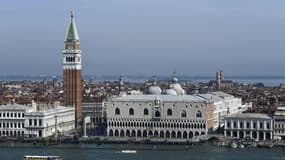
x,y
72,34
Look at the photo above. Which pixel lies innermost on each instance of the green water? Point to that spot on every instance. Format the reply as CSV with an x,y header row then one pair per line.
x,y
144,152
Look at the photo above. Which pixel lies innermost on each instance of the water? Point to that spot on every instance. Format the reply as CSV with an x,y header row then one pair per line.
x,y
266,80
144,152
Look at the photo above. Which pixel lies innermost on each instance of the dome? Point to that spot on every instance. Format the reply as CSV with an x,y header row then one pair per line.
x,y
178,89
174,79
170,92
154,90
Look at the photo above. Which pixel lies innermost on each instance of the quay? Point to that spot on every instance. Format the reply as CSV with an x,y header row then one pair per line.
x,y
216,140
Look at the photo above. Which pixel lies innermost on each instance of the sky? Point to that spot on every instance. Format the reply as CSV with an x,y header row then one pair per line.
x,y
146,37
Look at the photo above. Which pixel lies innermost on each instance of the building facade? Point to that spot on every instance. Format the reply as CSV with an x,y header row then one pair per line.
x,y
160,116
72,79
279,122
35,120
224,104
249,125
50,121
12,119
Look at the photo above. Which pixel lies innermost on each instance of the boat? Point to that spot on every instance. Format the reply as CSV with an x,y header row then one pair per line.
x,y
241,146
28,157
234,145
128,151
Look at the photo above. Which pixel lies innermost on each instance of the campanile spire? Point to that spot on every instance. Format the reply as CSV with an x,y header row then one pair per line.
x,y
72,78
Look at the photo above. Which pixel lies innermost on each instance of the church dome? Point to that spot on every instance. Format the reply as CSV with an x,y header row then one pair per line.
x,y
170,92
154,90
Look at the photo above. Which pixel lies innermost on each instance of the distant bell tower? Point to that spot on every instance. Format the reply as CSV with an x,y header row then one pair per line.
x,y
72,79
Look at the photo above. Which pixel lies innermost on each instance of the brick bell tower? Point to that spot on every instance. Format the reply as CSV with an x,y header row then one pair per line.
x,y
72,79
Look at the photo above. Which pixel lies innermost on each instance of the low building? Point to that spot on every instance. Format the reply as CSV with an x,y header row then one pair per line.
x,y
279,122
12,119
249,125
160,116
48,120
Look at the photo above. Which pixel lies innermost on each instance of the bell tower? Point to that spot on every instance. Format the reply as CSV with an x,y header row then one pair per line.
x,y
72,79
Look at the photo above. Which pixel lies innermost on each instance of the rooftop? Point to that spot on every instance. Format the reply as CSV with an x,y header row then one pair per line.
x,y
164,98
221,94
211,97
250,115
15,106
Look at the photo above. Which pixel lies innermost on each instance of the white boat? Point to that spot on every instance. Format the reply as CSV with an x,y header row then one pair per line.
x,y
29,157
128,151
234,145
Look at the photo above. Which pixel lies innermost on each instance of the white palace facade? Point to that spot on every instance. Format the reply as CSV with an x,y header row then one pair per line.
x,y
160,116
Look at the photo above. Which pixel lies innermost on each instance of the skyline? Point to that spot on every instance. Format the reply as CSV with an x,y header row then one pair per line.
x,y
146,38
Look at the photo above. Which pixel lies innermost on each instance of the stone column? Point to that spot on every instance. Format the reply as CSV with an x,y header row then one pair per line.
x,y
250,134
264,135
257,135
238,134
238,126
231,133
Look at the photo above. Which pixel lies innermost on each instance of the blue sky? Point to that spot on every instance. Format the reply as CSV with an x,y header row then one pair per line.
x,y
149,37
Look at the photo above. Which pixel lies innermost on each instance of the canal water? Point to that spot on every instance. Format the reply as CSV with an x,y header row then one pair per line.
x,y
144,152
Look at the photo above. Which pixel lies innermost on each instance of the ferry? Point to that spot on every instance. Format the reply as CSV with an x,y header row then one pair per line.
x,y
128,151
27,157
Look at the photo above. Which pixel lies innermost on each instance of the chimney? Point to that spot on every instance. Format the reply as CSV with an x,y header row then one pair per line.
x,y
34,105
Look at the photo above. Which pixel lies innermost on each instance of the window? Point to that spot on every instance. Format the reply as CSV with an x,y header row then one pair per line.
x,y
268,125
19,114
199,114
145,111
117,111
157,114
0,114
183,114
169,112
30,122
40,122
260,125
235,124
35,122
254,125
15,114
131,111
241,125
247,125
23,115
4,114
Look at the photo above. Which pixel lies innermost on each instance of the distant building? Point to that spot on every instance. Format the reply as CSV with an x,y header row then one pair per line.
x,y
72,78
249,125
220,82
279,122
